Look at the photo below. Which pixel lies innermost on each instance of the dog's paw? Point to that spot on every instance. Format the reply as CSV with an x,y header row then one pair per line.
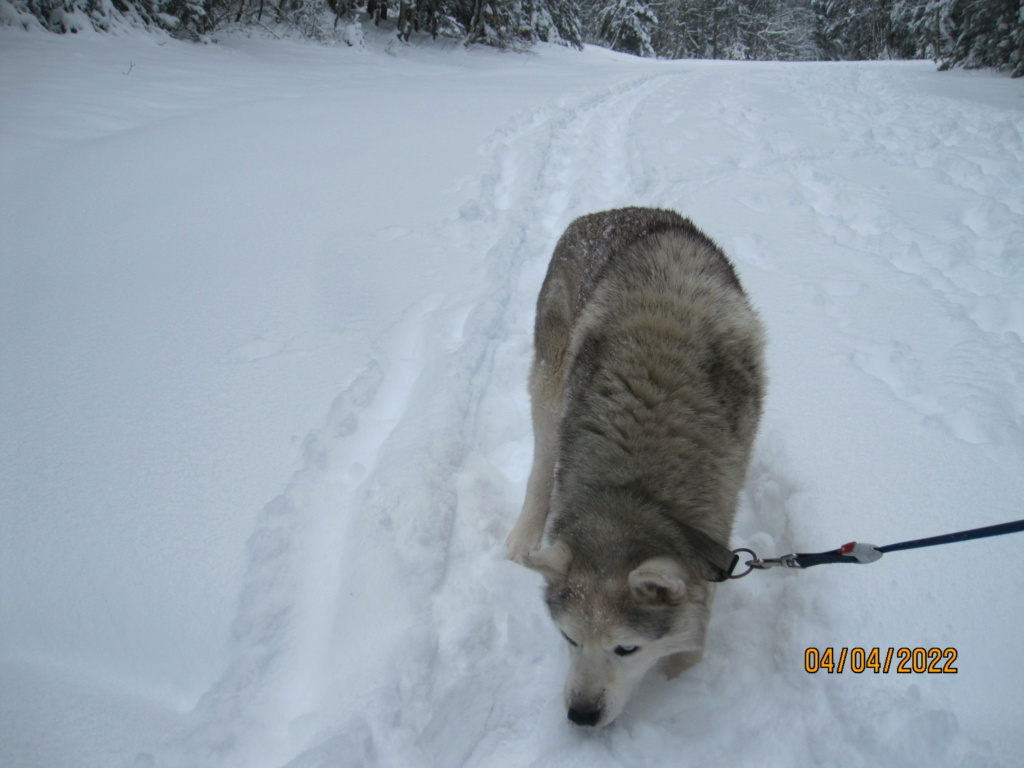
x,y
552,561
520,550
523,541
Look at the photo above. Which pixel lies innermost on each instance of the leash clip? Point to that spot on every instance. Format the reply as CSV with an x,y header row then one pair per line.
x,y
786,561
855,552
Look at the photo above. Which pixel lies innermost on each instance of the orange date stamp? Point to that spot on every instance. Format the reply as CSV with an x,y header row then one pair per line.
x,y
902,661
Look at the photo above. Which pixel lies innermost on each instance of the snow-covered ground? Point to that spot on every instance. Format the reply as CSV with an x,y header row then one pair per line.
x,y
265,315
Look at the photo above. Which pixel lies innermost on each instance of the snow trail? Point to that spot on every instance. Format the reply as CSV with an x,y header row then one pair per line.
x,y
412,485
403,487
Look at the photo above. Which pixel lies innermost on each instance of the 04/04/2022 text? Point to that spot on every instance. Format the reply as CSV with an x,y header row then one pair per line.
x,y
903,661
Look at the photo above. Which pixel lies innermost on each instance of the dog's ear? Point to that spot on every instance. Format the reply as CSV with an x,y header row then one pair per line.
x,y
658,580
553,562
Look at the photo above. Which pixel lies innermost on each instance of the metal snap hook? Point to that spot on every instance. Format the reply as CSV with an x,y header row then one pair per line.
x,y
750,563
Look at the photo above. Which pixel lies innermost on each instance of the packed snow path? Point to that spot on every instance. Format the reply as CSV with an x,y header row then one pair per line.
x,y
875,213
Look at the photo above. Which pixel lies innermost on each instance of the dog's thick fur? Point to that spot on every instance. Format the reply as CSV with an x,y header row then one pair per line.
x,y
646,391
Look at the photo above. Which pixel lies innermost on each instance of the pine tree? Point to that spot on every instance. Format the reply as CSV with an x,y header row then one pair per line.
x,y
969,33
921,28
693,28
987,33
519,23
736,29
627,26
558,21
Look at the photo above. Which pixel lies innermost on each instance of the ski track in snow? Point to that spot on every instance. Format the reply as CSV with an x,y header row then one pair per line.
x,y
389,543
393,440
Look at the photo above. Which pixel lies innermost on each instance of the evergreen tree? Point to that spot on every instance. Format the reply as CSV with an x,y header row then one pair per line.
x,y
694,28
558,21
627,26
987,33
969,33
736,29
921,28
853,29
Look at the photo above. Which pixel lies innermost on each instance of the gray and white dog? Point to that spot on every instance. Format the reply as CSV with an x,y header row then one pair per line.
x,y
646,391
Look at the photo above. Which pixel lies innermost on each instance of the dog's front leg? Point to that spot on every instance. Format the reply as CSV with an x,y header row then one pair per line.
x,y
545,397
528,532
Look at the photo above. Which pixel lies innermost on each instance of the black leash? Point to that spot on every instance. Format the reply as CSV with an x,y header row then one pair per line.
x,y
855,552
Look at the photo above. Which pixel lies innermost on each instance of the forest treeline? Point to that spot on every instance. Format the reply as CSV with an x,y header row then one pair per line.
x,y
969,33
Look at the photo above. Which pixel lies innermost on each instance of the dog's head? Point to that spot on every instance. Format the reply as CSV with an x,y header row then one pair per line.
x,y
619,624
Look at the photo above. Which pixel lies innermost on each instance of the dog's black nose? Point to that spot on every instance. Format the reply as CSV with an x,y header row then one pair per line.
x,y
584,716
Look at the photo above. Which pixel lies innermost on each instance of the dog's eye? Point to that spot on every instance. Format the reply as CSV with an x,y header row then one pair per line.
x,y
626,650
569,640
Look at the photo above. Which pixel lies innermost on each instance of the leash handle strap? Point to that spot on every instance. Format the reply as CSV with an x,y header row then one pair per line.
x,y
854,552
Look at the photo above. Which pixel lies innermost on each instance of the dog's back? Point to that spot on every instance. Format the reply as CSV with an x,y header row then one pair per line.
x,y
589,246
649,345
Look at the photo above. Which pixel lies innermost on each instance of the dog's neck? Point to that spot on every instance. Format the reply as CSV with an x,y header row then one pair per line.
x,y
597,523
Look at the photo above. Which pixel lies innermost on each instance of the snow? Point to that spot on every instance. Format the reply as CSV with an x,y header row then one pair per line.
x,y
265,315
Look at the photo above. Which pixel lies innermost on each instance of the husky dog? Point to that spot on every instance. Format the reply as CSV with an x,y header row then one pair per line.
x,y
646,391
